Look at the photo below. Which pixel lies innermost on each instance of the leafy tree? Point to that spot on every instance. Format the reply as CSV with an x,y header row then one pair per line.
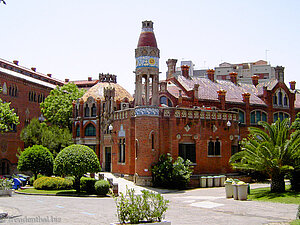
x,y
7,116
295,174
37,159
76,160
269,150
169,174
52,137
57,107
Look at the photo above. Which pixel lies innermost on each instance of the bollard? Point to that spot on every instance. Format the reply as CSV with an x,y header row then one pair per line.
x,y
115,188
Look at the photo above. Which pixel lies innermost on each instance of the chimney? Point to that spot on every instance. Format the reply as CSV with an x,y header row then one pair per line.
x,y
246,97
279,73
255,80
211,75
33,69
293,85
185,71
67,80
49,75
89,78
233,77
221,97
16,62
171,67
196,91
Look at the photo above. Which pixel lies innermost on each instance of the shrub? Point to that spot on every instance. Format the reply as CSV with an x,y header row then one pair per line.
x,y
102,187
37,159
52,183
76,160
32,179
87,184
148,207
171,175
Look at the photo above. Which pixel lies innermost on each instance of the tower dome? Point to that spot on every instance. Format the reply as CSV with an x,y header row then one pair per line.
x,y
147,37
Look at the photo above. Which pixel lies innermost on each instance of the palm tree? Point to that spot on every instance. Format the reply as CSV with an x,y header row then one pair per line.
x,y
270,150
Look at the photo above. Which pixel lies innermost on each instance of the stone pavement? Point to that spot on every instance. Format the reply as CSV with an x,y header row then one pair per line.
x,y
197,206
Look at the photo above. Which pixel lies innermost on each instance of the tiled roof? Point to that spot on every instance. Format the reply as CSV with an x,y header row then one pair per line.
x,y
85,82
147,39
208,89
98,91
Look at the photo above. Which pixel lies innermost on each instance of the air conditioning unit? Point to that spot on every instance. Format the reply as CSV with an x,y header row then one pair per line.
x,y
124,105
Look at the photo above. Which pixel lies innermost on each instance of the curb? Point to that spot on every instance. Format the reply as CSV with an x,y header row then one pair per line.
x,y
64,195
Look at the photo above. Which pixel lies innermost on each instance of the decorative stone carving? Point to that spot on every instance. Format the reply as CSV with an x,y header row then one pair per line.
x,y
177,113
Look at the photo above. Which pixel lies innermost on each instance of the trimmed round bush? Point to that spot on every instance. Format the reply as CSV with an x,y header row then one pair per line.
x,y
87,184
52,183
76,160
37,159
102,187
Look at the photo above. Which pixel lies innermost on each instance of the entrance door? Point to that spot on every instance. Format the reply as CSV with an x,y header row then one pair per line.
x,y
187,151
108,159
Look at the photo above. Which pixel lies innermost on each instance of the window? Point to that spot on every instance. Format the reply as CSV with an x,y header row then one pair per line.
x,y
86,111
188,151
256,116
122,150
285,100
90,130
93,147
214,148
166,101
280,115
152,141
77,131
279,98
241,115
94,110
76,111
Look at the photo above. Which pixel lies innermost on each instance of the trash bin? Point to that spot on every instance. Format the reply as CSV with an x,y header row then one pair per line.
x,y
242,191
222,180
228,188
203,182
235,191
217,181
209,181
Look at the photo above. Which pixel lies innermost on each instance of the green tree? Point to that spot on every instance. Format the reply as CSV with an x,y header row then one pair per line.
x,y
169,174
57,107
37,159
7,116
52,137
76,160
295,174
269,150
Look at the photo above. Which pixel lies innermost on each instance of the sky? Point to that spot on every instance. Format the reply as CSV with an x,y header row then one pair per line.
x,y
77,39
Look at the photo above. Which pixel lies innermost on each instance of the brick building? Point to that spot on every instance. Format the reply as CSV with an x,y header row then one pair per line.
x,y
25,89
201,119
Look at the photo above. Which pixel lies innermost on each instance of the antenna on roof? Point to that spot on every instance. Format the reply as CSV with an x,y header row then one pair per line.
x,y
267,55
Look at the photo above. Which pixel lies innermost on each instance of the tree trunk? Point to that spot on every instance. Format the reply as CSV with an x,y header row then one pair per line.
x,y
277,182
295,179
77,184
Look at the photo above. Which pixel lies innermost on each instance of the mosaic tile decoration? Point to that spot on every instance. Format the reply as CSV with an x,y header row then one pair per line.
x,y
147,111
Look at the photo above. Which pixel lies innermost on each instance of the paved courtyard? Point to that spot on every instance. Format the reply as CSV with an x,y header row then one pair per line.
x,y
198,206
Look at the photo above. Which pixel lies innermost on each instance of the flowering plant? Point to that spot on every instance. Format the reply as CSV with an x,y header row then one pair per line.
x,y
5,184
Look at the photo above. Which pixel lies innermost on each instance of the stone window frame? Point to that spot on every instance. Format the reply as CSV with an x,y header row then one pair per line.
x,y
88,125
256,121
122,151
280,98
284,115
217,140
168,101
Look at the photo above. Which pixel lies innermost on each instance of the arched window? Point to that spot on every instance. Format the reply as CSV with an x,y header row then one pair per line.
x,y
94,110
280,98
166,101
152,140
257,115
241,115
86,111
285,100
90,130
280,115
77,131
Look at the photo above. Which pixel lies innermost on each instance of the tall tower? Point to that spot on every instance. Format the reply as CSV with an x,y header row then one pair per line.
x,y
147,67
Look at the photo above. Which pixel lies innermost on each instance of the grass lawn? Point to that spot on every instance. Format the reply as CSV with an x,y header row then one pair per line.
x,y
56,192
295,222
264,194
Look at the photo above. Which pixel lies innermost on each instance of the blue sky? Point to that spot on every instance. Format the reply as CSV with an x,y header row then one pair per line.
x,y
77,39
